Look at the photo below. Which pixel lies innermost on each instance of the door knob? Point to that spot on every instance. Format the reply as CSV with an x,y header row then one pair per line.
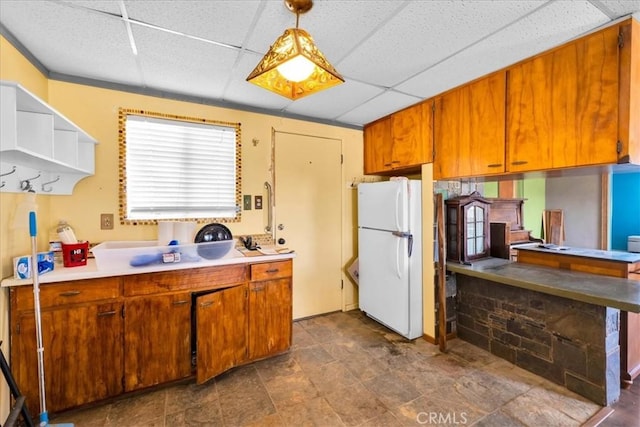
x,y
280,227
281,241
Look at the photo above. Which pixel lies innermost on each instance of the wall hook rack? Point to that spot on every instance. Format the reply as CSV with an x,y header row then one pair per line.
x,y
25,184
49,189
13,169
9,173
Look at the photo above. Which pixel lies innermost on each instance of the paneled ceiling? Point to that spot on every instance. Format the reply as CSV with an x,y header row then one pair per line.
x,y
392,53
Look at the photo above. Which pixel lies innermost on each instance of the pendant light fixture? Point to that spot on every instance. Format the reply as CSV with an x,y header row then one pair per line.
x,y
294,67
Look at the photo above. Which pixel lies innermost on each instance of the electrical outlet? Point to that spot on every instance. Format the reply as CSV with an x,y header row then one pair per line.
x,y
258,202
106,221
246,202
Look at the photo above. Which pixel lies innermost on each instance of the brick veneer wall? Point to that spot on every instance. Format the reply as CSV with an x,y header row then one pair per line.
x,y
572,343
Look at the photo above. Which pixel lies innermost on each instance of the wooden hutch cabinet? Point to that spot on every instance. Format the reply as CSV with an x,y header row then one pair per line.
x,y
467,228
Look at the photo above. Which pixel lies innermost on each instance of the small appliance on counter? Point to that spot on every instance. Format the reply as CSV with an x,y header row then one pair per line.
x,y
633,244
214,233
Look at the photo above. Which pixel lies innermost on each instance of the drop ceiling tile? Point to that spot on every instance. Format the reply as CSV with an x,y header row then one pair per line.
x,y
380,106
334,102
617,8
546,28
72,41
424,33
183,65
221,21
108,6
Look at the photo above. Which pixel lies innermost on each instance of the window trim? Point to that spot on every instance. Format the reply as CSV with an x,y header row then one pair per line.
x,y
122,161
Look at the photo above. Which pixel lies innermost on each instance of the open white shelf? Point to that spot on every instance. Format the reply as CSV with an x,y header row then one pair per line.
x,y
35,139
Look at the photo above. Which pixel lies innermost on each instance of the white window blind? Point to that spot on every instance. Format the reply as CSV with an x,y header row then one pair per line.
x,y
179,169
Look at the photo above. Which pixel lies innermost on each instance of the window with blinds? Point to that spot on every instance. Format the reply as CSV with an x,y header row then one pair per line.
x,y
176,168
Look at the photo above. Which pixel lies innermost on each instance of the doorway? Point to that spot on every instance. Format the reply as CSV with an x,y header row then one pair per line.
x,y
307,217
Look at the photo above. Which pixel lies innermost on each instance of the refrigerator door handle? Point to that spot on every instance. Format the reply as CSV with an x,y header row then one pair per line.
x,y
405,235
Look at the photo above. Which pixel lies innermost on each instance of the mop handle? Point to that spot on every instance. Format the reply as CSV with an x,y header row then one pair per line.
x,y
44,418
32,224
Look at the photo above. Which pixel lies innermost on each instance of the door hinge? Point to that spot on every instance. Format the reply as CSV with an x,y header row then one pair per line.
x,y
18,329
620,40
619,147
341,284
122,382
341,159
122,311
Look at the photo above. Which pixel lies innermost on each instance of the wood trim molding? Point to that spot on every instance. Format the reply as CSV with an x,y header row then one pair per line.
x,y
604,210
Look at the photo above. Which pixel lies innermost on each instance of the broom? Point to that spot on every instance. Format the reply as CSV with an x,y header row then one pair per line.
x,y
44,416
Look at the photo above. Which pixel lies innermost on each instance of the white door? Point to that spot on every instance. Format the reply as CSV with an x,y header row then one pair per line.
x,y
307,216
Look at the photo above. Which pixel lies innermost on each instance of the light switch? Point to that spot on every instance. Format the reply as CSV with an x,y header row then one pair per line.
x,y
246,202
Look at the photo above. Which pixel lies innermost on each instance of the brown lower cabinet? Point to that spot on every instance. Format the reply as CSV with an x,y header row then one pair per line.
x,y
108,336
222,329
157,339
270,305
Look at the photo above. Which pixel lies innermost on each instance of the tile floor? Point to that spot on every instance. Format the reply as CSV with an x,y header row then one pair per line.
x,y
346,370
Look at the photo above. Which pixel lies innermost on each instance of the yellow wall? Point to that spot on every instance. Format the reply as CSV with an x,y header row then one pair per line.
x,y
96,111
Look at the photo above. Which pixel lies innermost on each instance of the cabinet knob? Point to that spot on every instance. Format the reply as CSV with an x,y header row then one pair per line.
x,y
519,162
494,165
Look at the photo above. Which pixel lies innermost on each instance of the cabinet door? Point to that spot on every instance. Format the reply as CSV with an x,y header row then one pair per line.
x,y
412,135
270,319
157,333
221,322
470,129
562,107
83,357
377,146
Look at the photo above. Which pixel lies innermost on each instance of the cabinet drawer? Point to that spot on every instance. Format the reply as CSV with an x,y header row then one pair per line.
x,y
196,278
271,270
78,291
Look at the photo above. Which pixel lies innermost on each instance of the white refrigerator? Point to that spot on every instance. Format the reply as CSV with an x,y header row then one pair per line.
x,y
390,254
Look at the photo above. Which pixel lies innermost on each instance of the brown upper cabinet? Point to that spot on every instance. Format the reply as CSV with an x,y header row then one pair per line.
x,y
572,106
469,125
562,106
401,142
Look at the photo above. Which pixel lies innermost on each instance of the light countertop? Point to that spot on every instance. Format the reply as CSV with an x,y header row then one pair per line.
x,y
91,271
615,256
623,294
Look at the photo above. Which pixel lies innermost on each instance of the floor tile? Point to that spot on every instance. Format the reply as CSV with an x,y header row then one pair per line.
x,y
498,419
139,410
355,405
312,356
314,412
328,377
184,396
391,389
278,366
290,390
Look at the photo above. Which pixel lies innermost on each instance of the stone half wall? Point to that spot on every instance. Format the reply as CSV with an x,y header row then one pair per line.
x,y
572,343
